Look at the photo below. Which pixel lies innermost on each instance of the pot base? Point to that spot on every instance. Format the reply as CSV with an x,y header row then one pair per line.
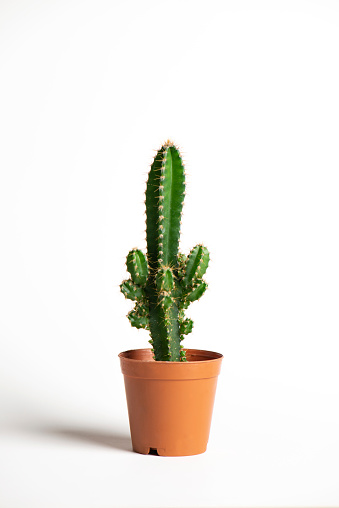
x,y
168,452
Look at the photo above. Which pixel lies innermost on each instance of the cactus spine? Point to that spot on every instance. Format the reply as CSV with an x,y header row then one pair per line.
x,y
165,285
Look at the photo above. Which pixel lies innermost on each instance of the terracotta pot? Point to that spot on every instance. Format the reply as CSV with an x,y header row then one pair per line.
x,y
170,404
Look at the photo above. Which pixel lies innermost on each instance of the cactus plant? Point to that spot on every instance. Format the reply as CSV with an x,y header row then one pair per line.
x,y
165,283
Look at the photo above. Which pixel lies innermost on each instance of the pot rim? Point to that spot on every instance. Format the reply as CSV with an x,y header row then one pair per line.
x,y
144,366
211,356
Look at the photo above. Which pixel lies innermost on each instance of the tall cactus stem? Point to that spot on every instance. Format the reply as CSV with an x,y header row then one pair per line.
x,y
164,284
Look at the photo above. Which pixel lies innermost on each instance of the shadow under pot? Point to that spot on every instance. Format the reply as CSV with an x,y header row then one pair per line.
x,y
170,404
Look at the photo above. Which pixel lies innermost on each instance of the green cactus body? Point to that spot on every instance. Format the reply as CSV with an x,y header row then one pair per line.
x,y
165,286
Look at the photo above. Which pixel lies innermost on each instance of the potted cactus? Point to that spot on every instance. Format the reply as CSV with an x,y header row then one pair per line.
x,y
170,390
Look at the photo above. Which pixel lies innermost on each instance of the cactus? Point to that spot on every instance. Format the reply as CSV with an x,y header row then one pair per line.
x,y
164,285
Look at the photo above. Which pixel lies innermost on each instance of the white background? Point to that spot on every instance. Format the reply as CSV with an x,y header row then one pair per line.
x,y
89,91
